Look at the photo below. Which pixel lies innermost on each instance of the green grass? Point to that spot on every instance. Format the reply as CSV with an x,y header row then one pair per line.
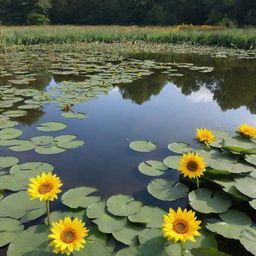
x,y
232,38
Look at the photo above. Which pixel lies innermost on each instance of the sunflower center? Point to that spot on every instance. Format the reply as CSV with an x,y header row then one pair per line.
x,y
192,166
45,188
68,236
180,226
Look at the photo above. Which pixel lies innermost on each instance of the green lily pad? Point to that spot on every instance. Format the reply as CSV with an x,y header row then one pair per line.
x,y
128,251
142,146
167,189
128,234
34,238
15,113
8,161
51,126
172,162
23,145
251,159
6,123
180,147
110,224
152,216
152,168
79,197
247,186
32,166
8,206
49,150
206,201
73,115
9,229
42,140
233,224
248,239
123,205
10,133
96,210
207,251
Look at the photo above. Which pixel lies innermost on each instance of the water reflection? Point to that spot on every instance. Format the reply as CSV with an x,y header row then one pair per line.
x,y
231,85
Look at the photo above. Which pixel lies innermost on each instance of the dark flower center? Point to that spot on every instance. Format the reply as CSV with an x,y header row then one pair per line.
x,y
45,188
180,226
192,166
68,236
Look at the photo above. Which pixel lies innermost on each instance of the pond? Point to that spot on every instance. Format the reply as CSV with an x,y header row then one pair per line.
x,y
172,96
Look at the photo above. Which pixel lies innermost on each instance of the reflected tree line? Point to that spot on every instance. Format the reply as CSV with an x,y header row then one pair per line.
x,y
232,83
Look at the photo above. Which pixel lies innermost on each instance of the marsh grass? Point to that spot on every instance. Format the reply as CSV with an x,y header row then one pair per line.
x,y
194,35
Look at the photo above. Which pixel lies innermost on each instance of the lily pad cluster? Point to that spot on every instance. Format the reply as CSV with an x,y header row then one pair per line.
x,y
230,178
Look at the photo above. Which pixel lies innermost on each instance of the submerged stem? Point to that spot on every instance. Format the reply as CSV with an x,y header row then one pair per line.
x,y
47,203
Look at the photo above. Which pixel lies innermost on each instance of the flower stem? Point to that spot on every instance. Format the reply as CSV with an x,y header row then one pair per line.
x,y
47,203
181,249
197,183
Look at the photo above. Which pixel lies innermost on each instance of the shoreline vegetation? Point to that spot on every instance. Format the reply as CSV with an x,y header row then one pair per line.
x,y
235,38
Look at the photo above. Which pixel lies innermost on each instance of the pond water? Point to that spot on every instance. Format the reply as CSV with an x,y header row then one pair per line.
x,y
158,107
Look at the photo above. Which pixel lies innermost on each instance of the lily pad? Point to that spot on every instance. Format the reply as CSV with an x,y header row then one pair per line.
x,y
80,197
128,234
248,239
110,224
247,186
206,201
8,206
73,115
9,229
51,126
152,216
172,162
96,210
123,205
8,161
179,147
142,146
22,145
152,168
15,113
10,133
167,189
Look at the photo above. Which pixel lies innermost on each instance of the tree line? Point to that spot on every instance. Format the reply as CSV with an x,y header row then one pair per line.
x,y
128,12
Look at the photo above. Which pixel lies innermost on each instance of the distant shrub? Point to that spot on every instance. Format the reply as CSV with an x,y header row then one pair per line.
x,y
37,19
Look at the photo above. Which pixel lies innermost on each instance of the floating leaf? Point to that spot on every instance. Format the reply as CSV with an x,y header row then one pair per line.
x,y
49,150
207,251
51,126
110,224
34,238
152,216
247,186
8,161
9,229
179,147
233,224
23,145
15,113
128,234
172,162
167,189
73,115
251,159
79,197
206,201
10,133
152,168
8,206
96,210
123,205
142,146
42,140
248,239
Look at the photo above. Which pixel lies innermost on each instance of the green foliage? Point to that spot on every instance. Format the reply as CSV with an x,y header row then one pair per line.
x,y
37,19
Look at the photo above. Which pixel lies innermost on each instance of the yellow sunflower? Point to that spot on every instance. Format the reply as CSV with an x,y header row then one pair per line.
x,y
68,235
181,225
44,187
204,135
247,131
192,165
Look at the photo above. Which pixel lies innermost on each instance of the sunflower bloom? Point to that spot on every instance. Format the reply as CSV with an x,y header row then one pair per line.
x,y
181,226
192,165
247,131
204,135
45,187
68,235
